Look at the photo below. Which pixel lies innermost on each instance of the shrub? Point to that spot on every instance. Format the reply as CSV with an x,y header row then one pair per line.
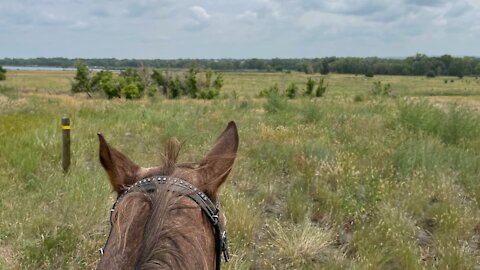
x,y
3,73
175,88
275,103
152,90
131,76
130,91
379,89
209,93
218,82
82,78
310,87
369,74
107,84
161,80
272,90
430,74
291,91
191,87
321,88
358,98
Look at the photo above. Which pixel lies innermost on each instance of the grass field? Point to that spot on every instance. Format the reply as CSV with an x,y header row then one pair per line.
x,y
346,181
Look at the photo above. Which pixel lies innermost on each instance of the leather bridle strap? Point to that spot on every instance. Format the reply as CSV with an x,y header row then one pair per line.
x,y
183,187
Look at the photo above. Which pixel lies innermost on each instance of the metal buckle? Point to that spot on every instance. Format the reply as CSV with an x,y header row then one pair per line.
x,y
225,251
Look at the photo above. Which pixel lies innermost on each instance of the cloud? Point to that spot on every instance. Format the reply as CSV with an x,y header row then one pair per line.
x,y
247,16
200,13
297,28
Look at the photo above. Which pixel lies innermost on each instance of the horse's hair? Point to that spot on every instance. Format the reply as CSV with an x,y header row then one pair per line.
x,y
159,247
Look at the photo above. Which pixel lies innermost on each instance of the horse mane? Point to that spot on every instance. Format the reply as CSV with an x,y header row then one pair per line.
x,y
160,248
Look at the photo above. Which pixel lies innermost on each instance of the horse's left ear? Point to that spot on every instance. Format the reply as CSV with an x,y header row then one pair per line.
x,y
121,171
219,161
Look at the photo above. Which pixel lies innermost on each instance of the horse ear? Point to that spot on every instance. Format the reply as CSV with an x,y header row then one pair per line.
x,y
121,171
219,161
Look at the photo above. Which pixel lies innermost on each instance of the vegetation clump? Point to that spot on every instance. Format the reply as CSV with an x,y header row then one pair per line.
x,y
3,74
379,89
132,83
292,90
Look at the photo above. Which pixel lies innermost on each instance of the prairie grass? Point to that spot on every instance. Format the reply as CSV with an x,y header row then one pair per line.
x,y
323,183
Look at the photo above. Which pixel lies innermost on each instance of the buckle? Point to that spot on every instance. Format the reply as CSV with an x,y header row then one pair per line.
x,y
225,251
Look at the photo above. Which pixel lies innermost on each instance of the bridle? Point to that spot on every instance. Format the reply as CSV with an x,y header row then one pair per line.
x,y
183,188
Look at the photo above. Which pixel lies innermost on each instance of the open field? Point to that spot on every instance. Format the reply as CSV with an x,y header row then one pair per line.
x,y
346,181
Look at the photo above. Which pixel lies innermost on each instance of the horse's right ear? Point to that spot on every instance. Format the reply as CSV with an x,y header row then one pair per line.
x,y
121,171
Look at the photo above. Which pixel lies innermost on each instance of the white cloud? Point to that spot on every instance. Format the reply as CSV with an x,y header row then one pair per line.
x,y
247,28
200,13
247,15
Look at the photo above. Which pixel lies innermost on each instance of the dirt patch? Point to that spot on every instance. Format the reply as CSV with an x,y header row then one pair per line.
x,y
7,258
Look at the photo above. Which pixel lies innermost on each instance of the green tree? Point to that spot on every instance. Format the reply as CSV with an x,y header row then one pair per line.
x,y
3,73
104,81
291,91
132,76
208,78
191,82
130,91
82,78
321,88
310,87
175,88
272,90
162,80
218,83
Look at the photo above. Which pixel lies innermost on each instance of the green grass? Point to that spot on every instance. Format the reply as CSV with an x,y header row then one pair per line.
x,y
336,182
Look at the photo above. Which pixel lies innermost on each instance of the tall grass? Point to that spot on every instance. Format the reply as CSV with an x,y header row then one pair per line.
x,y
324,184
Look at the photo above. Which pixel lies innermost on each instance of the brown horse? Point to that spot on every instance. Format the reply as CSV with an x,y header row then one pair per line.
x,y
167,217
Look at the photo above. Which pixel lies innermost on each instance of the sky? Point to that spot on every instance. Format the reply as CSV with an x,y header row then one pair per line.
x,y
168,29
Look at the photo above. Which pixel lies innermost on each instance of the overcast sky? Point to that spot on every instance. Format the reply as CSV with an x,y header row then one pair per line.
x,y
238,29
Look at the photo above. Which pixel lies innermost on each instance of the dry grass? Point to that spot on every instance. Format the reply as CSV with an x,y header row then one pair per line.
x,y
328,183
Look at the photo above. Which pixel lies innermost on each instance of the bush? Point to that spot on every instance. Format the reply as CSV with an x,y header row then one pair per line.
x,y
107,84
369,74
275,103
381,90
131,76
272,90
130,91
209,93
82,78
175,88
321,88
358,98
152,90
3,73
161,80
430,74
291,91
191,87
310,87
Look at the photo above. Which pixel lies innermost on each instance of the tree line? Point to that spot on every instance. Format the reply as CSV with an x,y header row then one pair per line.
x,y
420,64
